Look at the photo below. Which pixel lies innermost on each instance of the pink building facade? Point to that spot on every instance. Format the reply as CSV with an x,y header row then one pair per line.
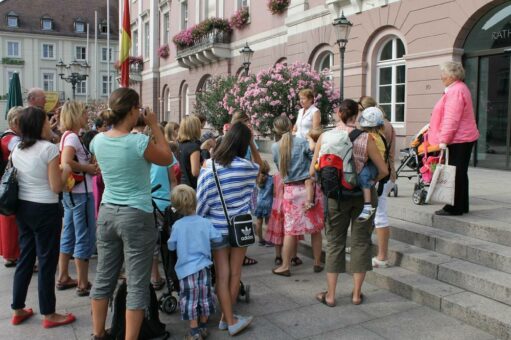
x,y
393,54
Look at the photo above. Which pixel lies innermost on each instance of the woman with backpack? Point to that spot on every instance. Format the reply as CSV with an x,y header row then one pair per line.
x,y
343,210
79,232
293,156
9,248
126,230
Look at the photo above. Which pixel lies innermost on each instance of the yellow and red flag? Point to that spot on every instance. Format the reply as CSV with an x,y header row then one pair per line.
x,y
124,50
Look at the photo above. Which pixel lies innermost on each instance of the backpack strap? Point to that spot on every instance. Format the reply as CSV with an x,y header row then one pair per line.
x,y
387,147
217,181
355,133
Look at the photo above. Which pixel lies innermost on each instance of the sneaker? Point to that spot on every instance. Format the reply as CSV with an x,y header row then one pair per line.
x,y
366,214
380,264
223,326
190,336
243,322
348,250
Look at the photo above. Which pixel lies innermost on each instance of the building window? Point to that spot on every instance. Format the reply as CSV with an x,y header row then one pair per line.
x,y
184,105
48,51
106,85
48,81
166,28
184,14
80,53
203,10
13,49
147,40
81,88
324,62
391,79
103,27
242,3
46,24
12,20
79,27
105,56
135,42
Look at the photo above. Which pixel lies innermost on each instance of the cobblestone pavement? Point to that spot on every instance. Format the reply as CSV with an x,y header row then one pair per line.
x,y
284,308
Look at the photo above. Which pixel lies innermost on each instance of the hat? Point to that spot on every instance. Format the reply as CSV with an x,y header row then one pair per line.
x,y
371,117
207,135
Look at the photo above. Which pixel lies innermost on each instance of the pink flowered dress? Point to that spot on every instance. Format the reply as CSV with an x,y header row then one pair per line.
x,y
296,220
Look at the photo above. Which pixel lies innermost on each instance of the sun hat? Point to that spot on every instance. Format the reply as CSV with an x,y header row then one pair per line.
x,y
371,117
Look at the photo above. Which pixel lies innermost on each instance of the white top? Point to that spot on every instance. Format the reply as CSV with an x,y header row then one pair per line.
x,y
32,166
304,121
71,139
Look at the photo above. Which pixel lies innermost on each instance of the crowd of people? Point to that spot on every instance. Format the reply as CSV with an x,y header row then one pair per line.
x,y
86,189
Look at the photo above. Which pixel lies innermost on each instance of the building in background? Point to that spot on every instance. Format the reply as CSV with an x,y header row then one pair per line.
x,y
393,54
36,35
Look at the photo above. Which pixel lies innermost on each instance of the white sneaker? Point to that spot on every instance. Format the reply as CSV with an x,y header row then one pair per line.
x,y
366,214
380,264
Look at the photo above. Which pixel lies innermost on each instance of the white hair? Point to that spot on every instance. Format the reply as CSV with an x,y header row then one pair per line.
x,y
453,69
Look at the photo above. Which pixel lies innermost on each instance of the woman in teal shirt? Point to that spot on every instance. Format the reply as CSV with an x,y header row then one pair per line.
x,y
125,227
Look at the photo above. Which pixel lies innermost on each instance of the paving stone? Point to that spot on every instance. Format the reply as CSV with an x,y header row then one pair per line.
x,y
424,323
349,333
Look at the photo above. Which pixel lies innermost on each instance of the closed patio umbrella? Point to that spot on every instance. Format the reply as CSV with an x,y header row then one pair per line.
x,y
14,97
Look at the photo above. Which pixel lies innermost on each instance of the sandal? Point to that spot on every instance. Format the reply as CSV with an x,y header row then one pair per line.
x,y
296,261
248,261
321,297
278,261
10,263
158,285
82,292
69,283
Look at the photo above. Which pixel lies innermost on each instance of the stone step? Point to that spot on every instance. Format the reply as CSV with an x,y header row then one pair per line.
x,y
473,225
471,249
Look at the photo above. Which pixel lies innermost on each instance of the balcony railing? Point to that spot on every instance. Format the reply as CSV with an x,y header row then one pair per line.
x,y
205,50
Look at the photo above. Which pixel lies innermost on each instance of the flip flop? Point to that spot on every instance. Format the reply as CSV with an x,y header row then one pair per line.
x,y
69,283
248,261
296,261
359,302
17,319
278,260
321,297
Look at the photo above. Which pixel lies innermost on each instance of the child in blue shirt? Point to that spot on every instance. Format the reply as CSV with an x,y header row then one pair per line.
x,y
264,201
191,236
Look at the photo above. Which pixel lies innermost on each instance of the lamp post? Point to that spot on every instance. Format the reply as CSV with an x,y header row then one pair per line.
x,y
246,53
342,28
73,73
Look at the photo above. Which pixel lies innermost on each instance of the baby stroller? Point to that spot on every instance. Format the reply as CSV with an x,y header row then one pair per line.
x,y
419,160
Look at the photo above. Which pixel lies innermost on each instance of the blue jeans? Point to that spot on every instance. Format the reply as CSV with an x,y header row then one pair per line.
x,y
79,232
368,175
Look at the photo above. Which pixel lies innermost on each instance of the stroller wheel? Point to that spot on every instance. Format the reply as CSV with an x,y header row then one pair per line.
x,y
247,293
418,197
395,190
168,304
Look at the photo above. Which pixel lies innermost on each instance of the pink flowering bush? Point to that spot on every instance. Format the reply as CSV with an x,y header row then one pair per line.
x,y
164,51
278,6
274,92
240,18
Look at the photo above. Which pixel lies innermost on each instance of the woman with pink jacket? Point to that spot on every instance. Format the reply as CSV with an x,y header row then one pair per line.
x,y
453,126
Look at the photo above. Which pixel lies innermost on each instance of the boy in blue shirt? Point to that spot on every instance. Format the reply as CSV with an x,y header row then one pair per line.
x,y
191,236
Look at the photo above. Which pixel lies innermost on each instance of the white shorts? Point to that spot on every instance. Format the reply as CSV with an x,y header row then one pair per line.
x,y
381,219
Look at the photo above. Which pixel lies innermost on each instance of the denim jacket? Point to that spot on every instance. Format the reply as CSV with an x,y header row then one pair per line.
x,y
301,158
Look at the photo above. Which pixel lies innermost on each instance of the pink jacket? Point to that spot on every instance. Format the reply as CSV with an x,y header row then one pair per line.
x,y
453,119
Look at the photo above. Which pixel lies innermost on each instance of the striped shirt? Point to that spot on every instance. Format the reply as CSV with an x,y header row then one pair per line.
x,y
237,181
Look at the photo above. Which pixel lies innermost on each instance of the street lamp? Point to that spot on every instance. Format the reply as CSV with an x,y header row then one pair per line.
x,y
246,53
342,28
73,73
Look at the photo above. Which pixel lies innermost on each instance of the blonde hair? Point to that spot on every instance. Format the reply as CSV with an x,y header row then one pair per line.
x,y
189,129
71,115
183,199
307,93
170,131
13,115
239,116
368,101
282,127
453,69
314,133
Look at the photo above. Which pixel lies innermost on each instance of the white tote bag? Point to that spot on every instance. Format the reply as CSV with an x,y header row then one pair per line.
x,y
441,189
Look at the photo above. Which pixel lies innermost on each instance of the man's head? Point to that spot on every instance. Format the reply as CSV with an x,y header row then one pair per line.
x,y
36,97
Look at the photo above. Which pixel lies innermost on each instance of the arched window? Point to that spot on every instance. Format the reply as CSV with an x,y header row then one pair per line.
x,y
282,61
165,112
184,106
324,61
204,83
391,79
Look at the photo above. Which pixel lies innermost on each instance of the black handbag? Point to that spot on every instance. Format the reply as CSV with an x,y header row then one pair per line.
x,y
240,227
9,190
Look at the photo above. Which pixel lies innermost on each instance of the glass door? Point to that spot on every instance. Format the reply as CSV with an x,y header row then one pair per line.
x,y
494,111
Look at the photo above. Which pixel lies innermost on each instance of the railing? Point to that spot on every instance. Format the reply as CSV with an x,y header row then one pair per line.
x,y
207,41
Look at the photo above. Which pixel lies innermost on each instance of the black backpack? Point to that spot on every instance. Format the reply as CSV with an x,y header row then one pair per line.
x,y
152,327
3,164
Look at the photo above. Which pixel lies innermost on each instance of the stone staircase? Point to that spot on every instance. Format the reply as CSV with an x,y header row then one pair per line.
x,y
460,266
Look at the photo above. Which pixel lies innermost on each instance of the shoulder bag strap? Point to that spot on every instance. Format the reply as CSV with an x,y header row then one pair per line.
x,y
217,181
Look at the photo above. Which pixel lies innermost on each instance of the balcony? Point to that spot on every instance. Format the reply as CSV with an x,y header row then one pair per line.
x,y
207,49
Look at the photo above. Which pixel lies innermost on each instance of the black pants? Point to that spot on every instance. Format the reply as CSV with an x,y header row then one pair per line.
x,y
39,227
459,155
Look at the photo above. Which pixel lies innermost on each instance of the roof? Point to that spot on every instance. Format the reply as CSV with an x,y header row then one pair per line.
x,y
64,14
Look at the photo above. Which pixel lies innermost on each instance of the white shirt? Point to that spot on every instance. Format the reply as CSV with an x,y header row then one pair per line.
x,y
32,166
71,139
304,121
